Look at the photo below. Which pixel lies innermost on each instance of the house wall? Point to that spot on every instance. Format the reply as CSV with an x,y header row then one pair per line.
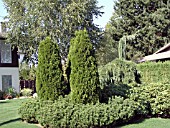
x,y
14,72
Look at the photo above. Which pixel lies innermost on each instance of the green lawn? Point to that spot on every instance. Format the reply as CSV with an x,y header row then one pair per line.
x,y
150,123
9,117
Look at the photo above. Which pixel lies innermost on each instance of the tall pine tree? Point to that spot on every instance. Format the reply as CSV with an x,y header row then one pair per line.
x,y
84,74
147,19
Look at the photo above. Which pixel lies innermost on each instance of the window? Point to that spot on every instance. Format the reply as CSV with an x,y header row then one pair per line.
x,y
6,55
6,82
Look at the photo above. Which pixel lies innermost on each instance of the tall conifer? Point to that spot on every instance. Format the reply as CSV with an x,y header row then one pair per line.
x,y
49,71
84,74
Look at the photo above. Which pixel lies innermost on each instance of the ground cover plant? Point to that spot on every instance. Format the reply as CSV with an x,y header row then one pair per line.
x,y
9,117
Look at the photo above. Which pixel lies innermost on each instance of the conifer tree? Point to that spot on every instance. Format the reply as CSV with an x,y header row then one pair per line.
x,y
84,74
49,71
148,19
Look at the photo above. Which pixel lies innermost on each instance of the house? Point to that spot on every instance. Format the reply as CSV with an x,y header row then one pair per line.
x,y
160,55
9,67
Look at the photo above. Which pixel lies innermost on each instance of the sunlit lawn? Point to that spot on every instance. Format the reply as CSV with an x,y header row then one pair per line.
x,y
150,123
9,117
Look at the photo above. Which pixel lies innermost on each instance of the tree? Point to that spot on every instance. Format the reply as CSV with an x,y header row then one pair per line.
x,y
49,71
84,74
30,21
107,50
148,20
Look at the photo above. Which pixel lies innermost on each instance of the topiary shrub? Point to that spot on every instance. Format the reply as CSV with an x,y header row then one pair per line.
x,y
49,71
84,75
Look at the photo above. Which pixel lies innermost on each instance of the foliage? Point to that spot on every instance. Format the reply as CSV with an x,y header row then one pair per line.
x,y
148,20
155,98
26,92
152,72
29,109
107,49
118,72
63,113
27,72
84,75
29,21
49,71
10,93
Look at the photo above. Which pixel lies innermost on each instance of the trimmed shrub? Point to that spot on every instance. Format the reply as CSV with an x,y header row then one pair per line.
x,y
29,109
64,113
154,98
154,72
84,75
49,71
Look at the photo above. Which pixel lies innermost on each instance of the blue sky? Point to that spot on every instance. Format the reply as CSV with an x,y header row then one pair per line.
x,y
101,21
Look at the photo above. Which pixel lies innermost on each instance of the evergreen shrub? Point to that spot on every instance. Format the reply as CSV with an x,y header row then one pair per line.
x,y
29,109
153,98
114,78
64,113
49,71
84,80
118,72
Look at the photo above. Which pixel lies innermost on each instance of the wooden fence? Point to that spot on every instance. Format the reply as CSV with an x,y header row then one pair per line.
x,y
28,84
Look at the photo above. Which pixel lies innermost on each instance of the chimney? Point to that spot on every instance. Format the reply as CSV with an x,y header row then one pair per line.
x,y
2,27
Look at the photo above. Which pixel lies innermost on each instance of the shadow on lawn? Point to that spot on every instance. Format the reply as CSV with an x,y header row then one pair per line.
x,y
135,120
10,121
3,102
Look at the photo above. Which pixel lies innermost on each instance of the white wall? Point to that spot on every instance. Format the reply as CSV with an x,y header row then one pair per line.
x,y
14,71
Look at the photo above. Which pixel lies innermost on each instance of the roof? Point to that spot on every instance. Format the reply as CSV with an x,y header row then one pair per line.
x,y
159,56
163,48
162,53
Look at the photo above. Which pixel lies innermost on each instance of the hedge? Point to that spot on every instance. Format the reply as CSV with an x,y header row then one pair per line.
x,y
154,98
154,72
63,113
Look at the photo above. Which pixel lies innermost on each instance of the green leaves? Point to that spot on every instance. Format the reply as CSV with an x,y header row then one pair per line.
x,y
147,19
30,21
84,75
49,71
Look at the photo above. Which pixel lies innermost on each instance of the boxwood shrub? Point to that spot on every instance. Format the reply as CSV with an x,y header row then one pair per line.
x,y
29,109
63,113
155,98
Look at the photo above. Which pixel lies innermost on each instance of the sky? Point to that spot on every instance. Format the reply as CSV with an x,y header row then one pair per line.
x,y
101,21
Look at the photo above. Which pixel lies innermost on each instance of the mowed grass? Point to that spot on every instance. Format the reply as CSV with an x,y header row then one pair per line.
x,y
9,117
150,123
